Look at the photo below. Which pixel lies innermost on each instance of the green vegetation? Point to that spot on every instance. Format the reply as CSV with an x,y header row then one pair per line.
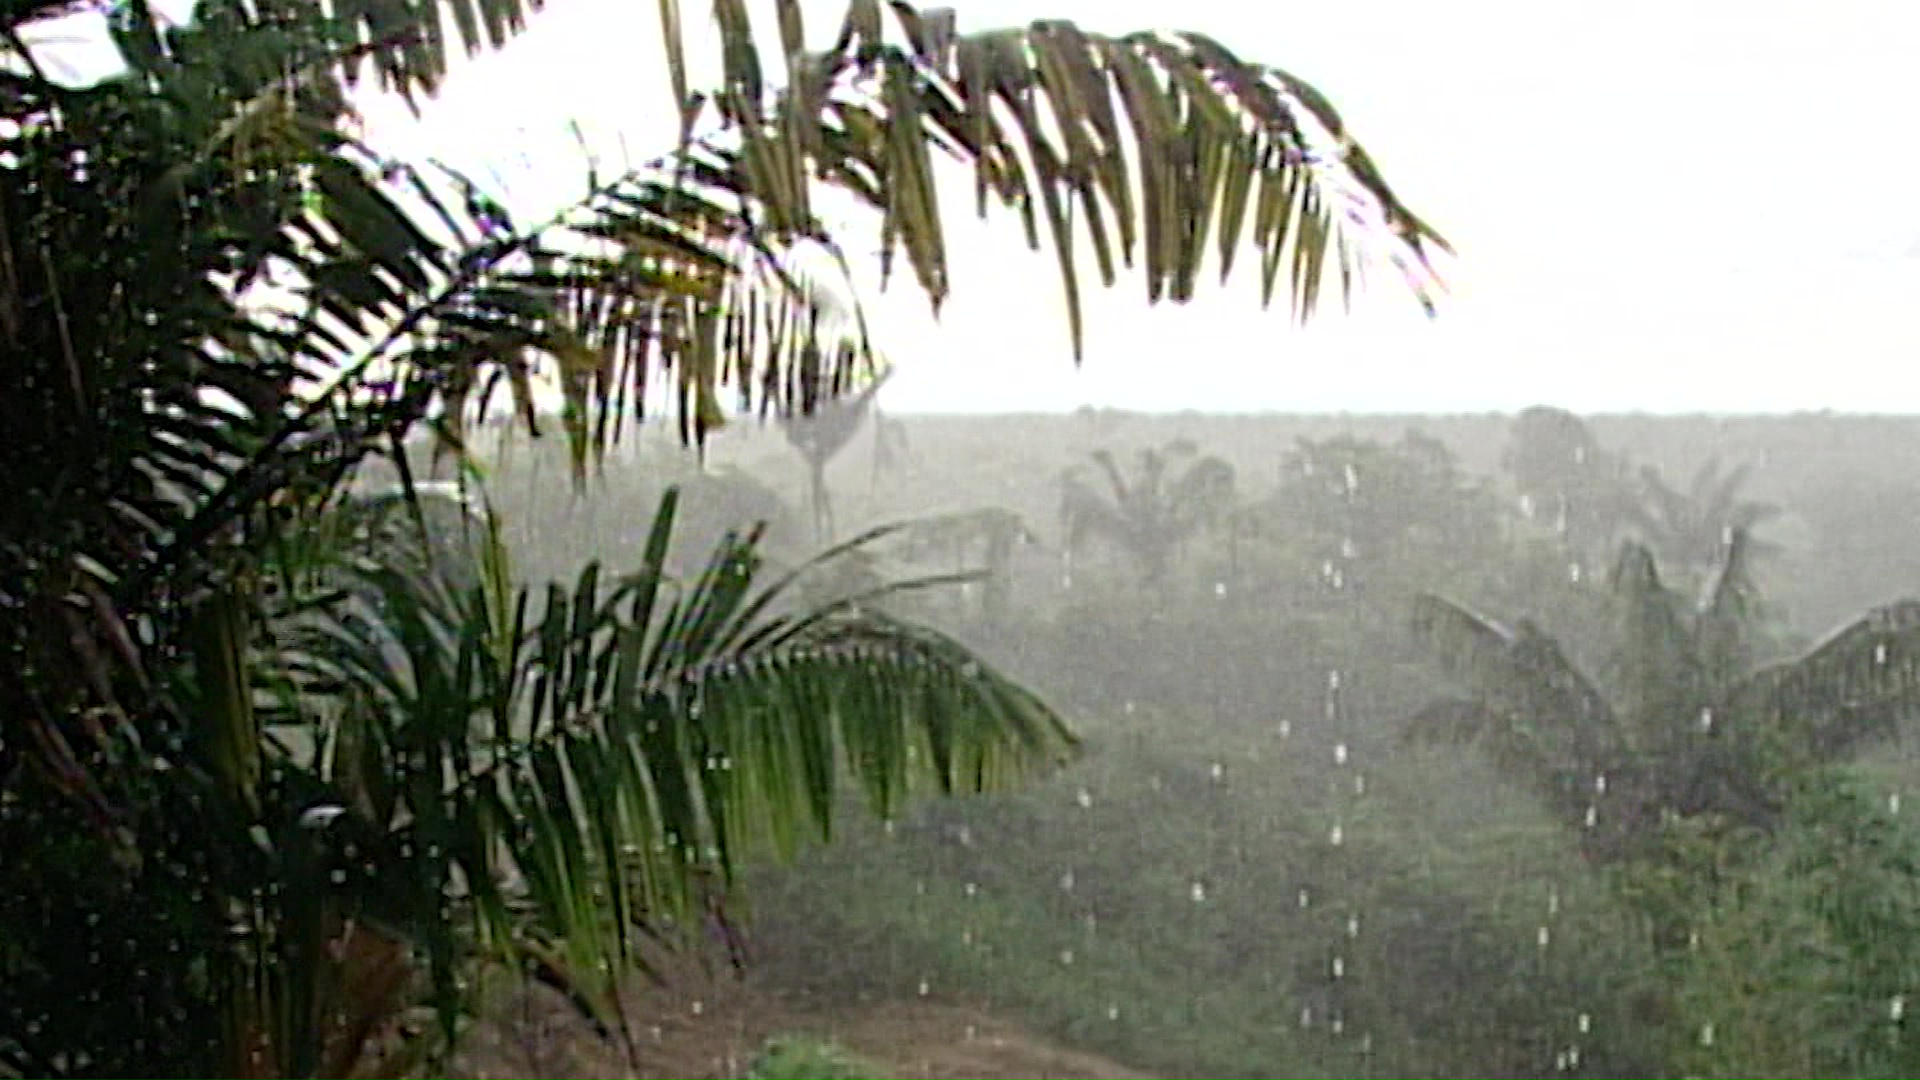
x,y
798,1057
307,745
1278,856
291,766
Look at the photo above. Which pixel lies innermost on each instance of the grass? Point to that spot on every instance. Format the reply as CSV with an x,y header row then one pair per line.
x,y
803,1057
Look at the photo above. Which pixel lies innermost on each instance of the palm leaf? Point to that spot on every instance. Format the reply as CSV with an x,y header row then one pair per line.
x,y
1656,662
1548,712
1058,118
1861,683
634,737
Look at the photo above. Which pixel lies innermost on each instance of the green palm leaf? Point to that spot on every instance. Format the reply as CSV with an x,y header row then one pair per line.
x,y
588,765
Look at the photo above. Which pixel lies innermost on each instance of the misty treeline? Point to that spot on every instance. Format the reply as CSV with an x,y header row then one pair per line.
x,y
1400,760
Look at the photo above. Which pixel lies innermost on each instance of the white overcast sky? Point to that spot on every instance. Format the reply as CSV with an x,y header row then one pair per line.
x,y
1664,206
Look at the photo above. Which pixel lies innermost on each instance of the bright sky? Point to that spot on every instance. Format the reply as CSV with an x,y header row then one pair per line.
x,y
1658,206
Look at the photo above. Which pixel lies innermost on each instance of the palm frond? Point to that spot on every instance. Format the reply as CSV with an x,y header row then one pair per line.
x,y
1655,661
1861,683
1547,709
1166,146
591,759
1449,721
1729,612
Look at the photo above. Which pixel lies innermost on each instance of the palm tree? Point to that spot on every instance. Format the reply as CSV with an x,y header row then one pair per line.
x,y
1684,719
1689,529
1150,515
214,304
820,435
147,206
989,535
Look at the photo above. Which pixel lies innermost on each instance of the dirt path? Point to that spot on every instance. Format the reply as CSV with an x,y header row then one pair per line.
x,y
706,1026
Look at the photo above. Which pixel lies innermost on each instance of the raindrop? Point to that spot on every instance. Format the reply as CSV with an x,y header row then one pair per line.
x,y
1897,1008
699,1006
970,669
972,1032
1339,1025
1286,728
1306,1017
1340,753
1359,784
1084,798
1893,803
1218,771
1706,719
887,826
1353,925
1339,967
1066,956
1113,1012
965,836
1693,939
339,876
1128,708
1197,892
1593,816
1561,1062
1219,588
1553,901
1706,1034
1338,836
971,889
1600,783
1305,898
1333,679
924,988
1586,1024
1066,881
1880,653
966,937
1573,573
1544,936
1347,548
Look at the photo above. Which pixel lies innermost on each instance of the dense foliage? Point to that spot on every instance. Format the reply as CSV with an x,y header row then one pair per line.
x,y
1255,872
288,767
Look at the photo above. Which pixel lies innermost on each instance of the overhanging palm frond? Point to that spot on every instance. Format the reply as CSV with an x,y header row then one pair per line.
x,y
1165,145
588,760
